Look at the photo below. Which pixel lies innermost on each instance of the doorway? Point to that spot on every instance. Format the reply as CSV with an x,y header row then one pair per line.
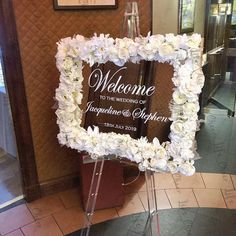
x,y
10,179
17,103
217,137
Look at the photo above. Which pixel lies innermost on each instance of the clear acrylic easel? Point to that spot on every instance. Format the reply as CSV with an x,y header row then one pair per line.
x,y
92,196
152,225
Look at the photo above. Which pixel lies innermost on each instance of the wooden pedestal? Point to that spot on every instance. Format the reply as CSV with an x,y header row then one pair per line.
x,y
111,192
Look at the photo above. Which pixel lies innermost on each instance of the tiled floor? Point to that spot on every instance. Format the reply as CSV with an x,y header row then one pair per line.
x,y
216,144
226,95
216,139
61,214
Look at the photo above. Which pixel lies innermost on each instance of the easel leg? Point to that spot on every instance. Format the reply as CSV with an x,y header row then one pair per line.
x,y
92,197
152,227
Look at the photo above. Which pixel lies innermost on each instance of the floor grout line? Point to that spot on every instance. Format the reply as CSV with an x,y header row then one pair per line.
x,y
196,198
21,231
26,204
57,224
223,198
62,202
232,182
168,198
203,179
174,181
141,202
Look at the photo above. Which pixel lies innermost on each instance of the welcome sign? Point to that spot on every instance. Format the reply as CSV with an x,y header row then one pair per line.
x,y
124,100
119,99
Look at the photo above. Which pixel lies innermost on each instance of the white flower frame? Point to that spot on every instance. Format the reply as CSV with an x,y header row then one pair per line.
x,y
182,52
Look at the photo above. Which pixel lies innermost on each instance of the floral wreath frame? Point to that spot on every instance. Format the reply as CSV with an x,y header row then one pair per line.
x,y
182,52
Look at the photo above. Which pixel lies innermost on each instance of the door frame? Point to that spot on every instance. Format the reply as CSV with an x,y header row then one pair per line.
x,y
14,81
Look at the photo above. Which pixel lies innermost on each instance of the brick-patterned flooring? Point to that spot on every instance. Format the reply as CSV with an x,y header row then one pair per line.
x,y
62,214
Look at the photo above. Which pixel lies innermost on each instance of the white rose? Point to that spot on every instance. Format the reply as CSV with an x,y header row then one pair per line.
x,y
148,151
176,80
166,49
186,169
190,126
175,137
190,135
132,47
172,167
198,79
173,40
123,53
194,41
138,157
187,154
190,88
182,54
158,163
191,109
175,114
185,69
177,127
149,51
186,143
161,152
156,40
178,97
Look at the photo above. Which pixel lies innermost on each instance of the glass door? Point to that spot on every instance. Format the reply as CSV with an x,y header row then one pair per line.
x,y
10,179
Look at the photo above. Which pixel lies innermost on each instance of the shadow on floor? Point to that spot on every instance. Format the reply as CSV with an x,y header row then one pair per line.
x,y
173,222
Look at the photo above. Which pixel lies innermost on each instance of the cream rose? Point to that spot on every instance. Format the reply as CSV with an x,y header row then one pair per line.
x,y
186,169
158,163
166,49
178,97
191,109
177,127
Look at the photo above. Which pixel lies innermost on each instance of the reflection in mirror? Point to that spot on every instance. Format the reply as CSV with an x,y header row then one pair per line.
x,y
166,14
10,179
